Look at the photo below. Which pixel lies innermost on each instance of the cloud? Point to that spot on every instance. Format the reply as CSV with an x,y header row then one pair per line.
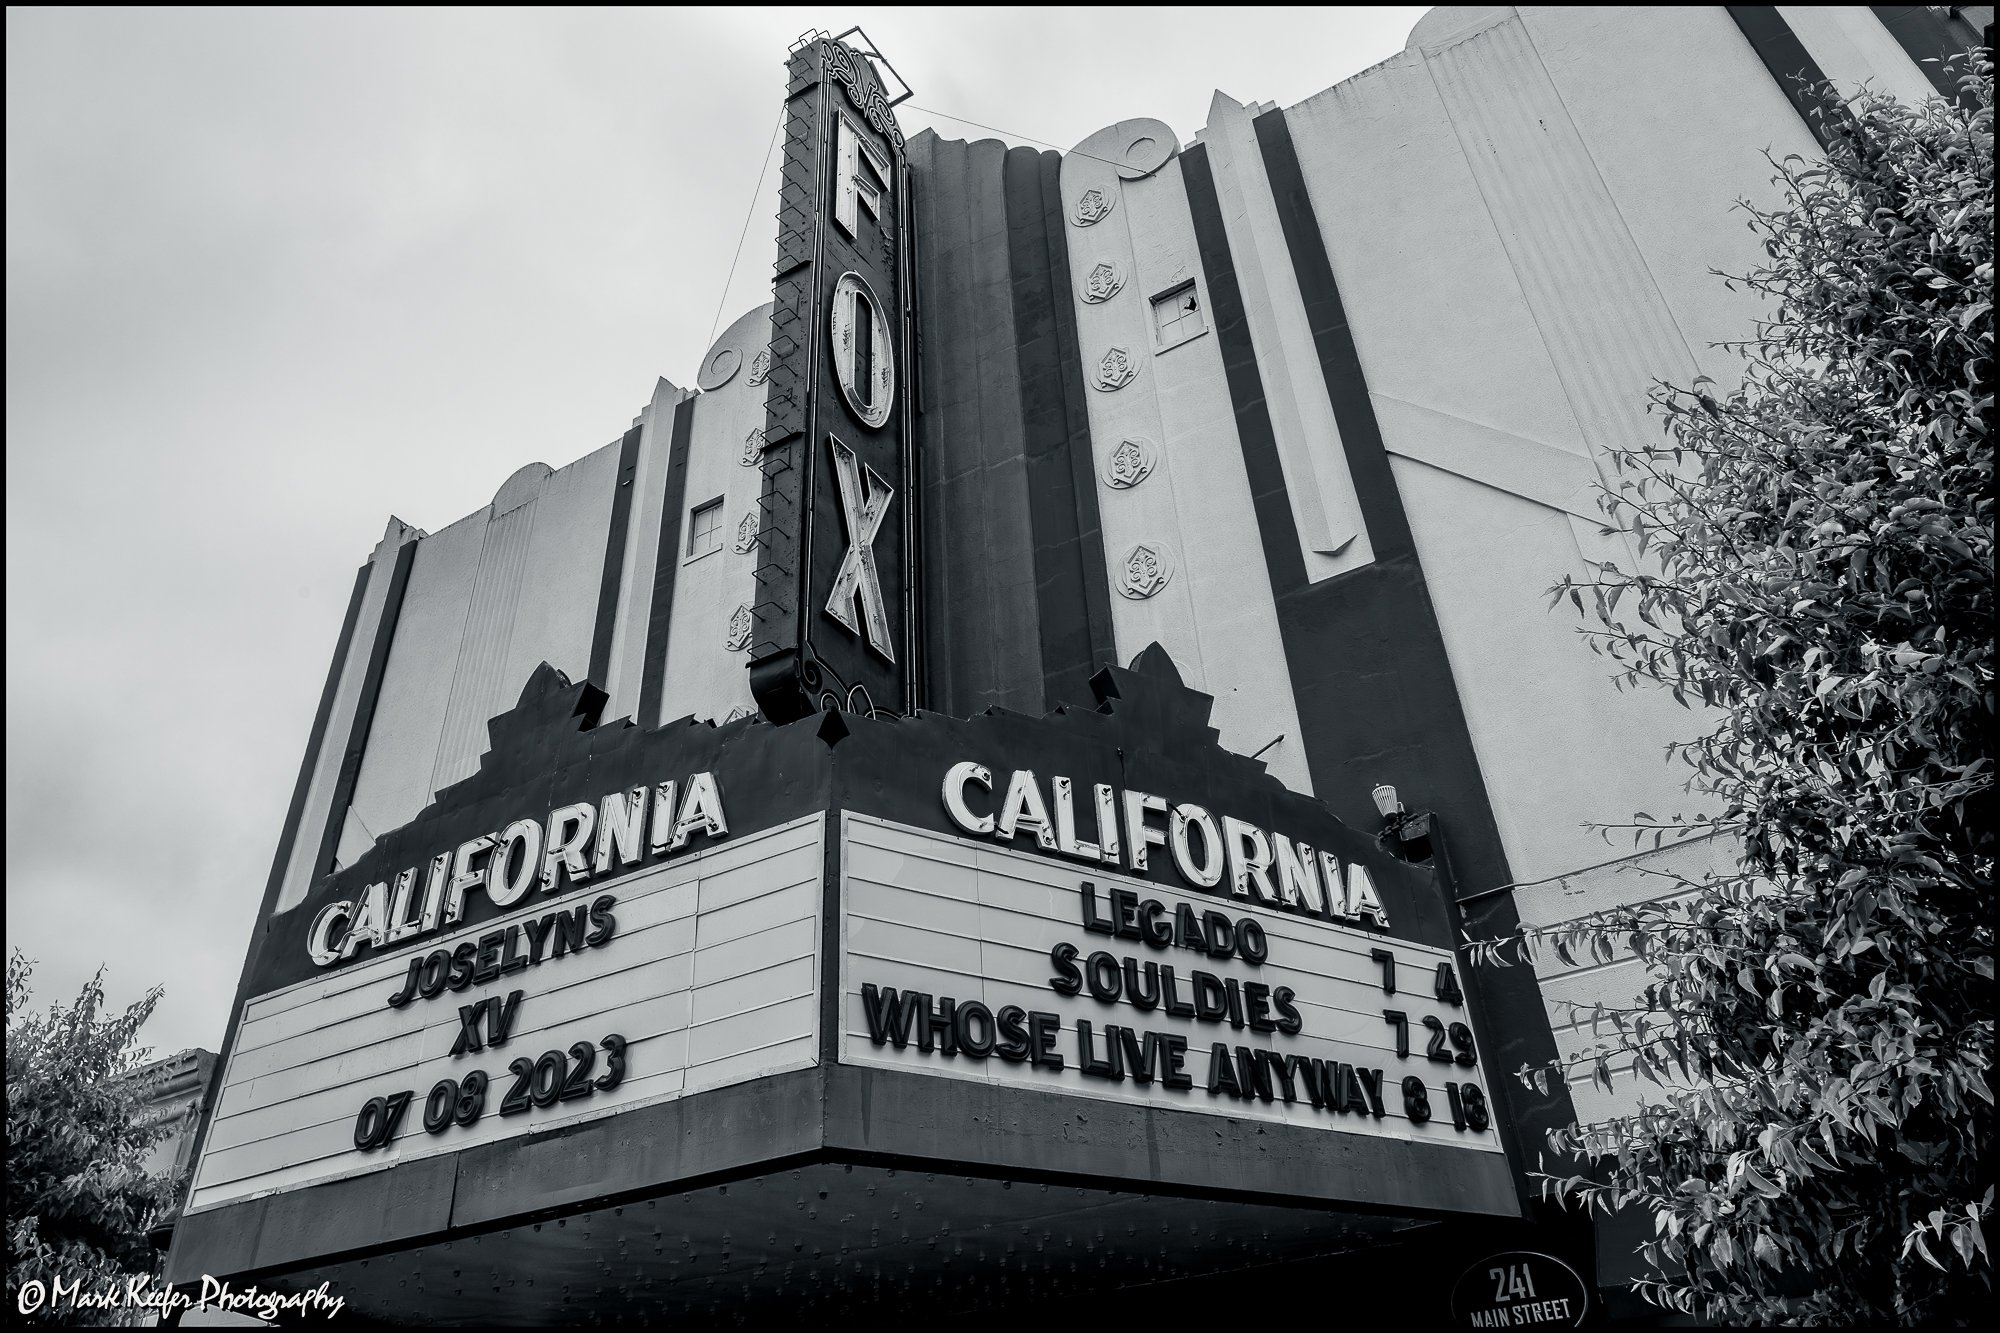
x,y
273,275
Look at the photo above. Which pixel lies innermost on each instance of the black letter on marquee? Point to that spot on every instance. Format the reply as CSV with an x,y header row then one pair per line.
x,y
500,1018
1257,1007
469,1019
1086,1054
1371,1084
461,965
977,1044
1145,1054
602,923
1221,935
510,959
1251,942
1013,1044
488,966
1211,998
1067,981
887,1019
1042,1029
1222,1071
1289,1021
1187,930
1125,914
939,1027
1281,1067
1308,1072
1092,922
538,935
1388,962
1175,1075
1145,998
570,931
1401,1022
409,990
1252,1072
1106,981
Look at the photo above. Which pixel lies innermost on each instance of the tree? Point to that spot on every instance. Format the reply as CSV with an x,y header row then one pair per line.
x,y
79,1199
1816,571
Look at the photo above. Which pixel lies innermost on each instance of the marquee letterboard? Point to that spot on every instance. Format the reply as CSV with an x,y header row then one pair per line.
x,y
696,974
968,960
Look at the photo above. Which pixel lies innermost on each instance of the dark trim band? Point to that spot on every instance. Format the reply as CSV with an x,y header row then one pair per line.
x,y
1344,635
1792,67
1081,456
1072,587
614,559
295,813
666,562
1927,38
364,709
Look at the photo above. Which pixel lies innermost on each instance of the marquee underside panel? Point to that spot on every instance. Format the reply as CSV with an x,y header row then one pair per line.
x,y
859,1239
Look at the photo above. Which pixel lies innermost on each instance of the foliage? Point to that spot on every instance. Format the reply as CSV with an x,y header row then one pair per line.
x,y
79,1200
1820,543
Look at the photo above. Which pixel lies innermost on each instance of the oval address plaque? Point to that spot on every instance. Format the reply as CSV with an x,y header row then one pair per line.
x,y
1519,1289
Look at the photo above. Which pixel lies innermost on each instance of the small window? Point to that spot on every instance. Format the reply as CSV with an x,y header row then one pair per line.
x,y
705,529
1177,316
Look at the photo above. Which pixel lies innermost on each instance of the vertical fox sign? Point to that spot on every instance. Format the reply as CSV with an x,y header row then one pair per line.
x,y
833,621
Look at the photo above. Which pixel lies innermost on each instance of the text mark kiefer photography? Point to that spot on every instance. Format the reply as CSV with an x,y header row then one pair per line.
x,y
57,1299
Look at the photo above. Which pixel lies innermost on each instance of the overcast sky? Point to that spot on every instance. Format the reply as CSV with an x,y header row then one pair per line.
x,y
274,276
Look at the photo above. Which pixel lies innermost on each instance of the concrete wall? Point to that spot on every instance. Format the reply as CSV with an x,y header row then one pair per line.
x,y
705,676
625,679
1193,511
171,1095
1853,49
982,621
488,599
1519,213
1015,606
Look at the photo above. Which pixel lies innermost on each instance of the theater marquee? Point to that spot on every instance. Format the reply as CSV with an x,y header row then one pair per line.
x,y
967,960
696,1018
618,960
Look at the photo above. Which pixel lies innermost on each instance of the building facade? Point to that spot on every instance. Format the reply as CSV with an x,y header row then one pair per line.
x,y
1231,473
173,1093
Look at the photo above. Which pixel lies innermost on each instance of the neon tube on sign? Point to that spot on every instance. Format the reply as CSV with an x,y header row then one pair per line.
x,y
575,844
1267,868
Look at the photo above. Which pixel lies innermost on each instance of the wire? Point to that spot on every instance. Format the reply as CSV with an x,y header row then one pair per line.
x,y
755,190
766,168
990,129
1583,870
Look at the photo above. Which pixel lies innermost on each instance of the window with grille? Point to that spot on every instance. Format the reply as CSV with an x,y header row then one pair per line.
x,y
705,529
1177,316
